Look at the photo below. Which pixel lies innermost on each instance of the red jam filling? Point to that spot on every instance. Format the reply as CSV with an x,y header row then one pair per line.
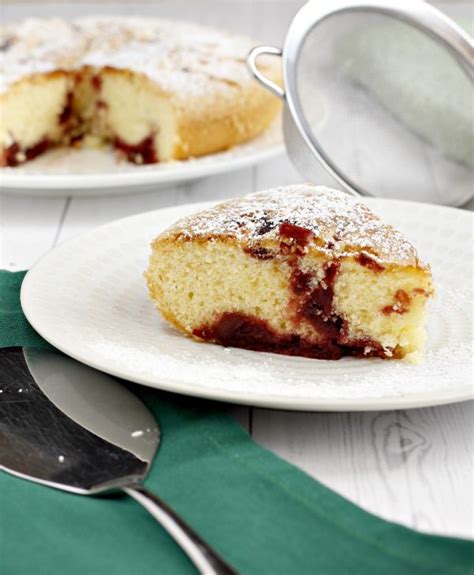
x,y
368,262
75,140
319,301
142,153
239,330
300,281
401,304
66,114
96,82
300,236
260,253
12,156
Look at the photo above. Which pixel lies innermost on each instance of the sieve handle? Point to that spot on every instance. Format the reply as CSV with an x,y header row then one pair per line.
x,y
253,69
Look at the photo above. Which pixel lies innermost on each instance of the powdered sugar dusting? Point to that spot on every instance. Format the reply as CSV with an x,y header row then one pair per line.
x,y
341,224
184,59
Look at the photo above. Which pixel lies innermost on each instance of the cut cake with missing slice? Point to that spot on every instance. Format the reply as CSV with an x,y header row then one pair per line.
x,y
156,90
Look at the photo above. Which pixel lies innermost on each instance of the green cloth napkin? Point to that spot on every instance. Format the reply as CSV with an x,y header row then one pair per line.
x,y
262,514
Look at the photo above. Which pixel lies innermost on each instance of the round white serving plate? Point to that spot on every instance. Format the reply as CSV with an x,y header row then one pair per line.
x,y
66,171
88,298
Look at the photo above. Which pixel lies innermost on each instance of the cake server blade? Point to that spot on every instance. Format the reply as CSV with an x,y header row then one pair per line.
x,y
68,426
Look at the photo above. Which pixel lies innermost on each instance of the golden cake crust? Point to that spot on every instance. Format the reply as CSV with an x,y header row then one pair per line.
x,y
200,71
341,225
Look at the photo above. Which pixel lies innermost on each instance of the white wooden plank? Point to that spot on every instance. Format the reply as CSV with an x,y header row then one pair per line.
x,y
437,450
28,229
89,212
412,467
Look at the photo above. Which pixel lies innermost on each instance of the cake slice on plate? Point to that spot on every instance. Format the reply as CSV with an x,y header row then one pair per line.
x,y
298,270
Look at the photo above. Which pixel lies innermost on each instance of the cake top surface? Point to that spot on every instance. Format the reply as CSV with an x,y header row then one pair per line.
x,y
185,59
340,224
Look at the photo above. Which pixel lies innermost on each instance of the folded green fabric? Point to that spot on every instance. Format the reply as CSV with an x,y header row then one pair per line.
x,y
262,514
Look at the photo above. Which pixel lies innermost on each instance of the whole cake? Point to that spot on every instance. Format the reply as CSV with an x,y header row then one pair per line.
x,y
156,90
298,270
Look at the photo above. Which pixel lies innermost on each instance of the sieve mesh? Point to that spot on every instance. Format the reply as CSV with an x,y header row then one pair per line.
x,y
389,105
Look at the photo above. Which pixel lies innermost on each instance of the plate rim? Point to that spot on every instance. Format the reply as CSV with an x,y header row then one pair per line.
x,y
166,173
458,394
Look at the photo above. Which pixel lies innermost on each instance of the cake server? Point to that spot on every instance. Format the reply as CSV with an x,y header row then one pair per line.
x,y
378,98
68,426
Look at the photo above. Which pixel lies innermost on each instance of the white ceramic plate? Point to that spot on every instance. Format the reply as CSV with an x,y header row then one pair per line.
x,y
98,172
88,298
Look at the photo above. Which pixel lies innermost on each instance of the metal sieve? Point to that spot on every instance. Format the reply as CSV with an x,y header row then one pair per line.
x,y
381,93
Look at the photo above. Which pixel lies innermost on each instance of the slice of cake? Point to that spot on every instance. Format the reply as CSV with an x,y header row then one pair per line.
x,y
299,270
156,90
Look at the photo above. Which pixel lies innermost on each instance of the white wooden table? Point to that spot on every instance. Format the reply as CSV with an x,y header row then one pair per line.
x,y
414,467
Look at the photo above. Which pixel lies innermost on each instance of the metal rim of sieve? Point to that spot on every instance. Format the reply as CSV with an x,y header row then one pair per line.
x,y
424,17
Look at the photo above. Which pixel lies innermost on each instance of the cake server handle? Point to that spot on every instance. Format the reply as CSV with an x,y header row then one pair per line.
x,y
253,68
201,554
